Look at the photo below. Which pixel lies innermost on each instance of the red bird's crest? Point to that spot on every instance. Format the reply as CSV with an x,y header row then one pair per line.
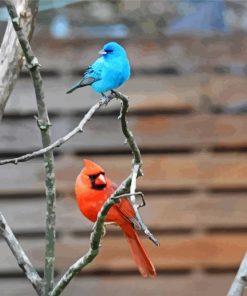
x,y
91,168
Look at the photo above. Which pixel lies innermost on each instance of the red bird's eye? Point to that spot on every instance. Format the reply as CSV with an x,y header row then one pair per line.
x,y
100,180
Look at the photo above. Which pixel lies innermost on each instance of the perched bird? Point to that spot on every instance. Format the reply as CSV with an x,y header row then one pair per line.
x,y
108,72
92,189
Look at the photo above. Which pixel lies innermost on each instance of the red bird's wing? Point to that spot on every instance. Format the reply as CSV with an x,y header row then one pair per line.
x,y
125,210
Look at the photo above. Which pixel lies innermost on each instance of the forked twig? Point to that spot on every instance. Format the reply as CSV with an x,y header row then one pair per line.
x,y
60,141
122,191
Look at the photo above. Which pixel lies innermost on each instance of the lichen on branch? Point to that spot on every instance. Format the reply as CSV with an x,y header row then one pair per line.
x,y
44,125
128,185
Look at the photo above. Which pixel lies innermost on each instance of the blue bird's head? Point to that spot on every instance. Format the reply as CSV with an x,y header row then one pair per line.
x,y
112,49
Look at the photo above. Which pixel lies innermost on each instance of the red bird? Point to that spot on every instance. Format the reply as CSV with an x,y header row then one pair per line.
x,y
92,189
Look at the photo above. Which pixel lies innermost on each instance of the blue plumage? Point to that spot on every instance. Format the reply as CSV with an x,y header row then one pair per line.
x,y
108,72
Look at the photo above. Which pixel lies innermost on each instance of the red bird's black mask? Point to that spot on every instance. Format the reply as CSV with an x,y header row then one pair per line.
x,y
95,179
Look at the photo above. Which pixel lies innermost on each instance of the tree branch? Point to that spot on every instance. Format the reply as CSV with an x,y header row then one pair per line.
x,y
121,192
44,125
240,280
136,206
20,255
130,139
11,53
137,163
126,131
60,141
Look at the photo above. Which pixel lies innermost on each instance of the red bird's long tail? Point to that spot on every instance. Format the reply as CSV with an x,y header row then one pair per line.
x,y
139,254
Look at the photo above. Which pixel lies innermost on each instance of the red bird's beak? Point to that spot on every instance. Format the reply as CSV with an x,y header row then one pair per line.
x,y
100,180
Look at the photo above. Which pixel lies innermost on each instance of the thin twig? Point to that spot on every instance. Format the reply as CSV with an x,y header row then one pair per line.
x,y
136,206
95,239
59,142
44,125
240,280
126,131
133,183
20,255
138,193
136,170
122,191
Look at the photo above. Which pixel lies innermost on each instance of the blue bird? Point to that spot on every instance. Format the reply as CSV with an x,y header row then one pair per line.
x,y
108,72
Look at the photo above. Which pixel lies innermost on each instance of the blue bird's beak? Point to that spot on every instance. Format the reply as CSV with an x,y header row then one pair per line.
x,y
102,52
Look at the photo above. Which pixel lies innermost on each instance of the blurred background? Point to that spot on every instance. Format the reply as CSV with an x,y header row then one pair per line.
x,y
188,98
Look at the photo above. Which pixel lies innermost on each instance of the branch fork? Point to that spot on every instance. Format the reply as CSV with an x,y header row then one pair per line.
x,y
126,189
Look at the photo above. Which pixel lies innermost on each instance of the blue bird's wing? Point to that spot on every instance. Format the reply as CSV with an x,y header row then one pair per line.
x,y
91,75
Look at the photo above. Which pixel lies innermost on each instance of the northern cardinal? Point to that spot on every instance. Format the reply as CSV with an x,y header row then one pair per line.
x,y
92,189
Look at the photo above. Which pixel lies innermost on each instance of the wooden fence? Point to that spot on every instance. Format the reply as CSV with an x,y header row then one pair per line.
x,y
194,163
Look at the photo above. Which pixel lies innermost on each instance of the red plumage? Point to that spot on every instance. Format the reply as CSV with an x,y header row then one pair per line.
x,y
92,189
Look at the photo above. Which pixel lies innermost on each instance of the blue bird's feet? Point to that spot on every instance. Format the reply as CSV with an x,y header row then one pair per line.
x,y
105,99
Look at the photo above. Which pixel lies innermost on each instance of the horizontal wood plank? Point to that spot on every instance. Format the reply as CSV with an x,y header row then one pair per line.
x,y
168,171
175,252
103,134
173,213
161,172
187,285
184,53
147,93
139,90
25,178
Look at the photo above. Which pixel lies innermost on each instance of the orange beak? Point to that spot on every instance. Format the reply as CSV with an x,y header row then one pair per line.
x,y
100,180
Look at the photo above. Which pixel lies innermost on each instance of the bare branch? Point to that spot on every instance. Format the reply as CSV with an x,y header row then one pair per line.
x,y
44,125
60,141
122,191
240,280
136,206
126,131
20,255
11,55
136,170
139,193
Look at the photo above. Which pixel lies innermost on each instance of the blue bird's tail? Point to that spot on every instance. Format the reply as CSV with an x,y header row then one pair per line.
x,y
83,82
74,87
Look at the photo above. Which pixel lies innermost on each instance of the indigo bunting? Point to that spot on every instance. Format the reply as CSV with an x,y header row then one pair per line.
x,y
108,72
